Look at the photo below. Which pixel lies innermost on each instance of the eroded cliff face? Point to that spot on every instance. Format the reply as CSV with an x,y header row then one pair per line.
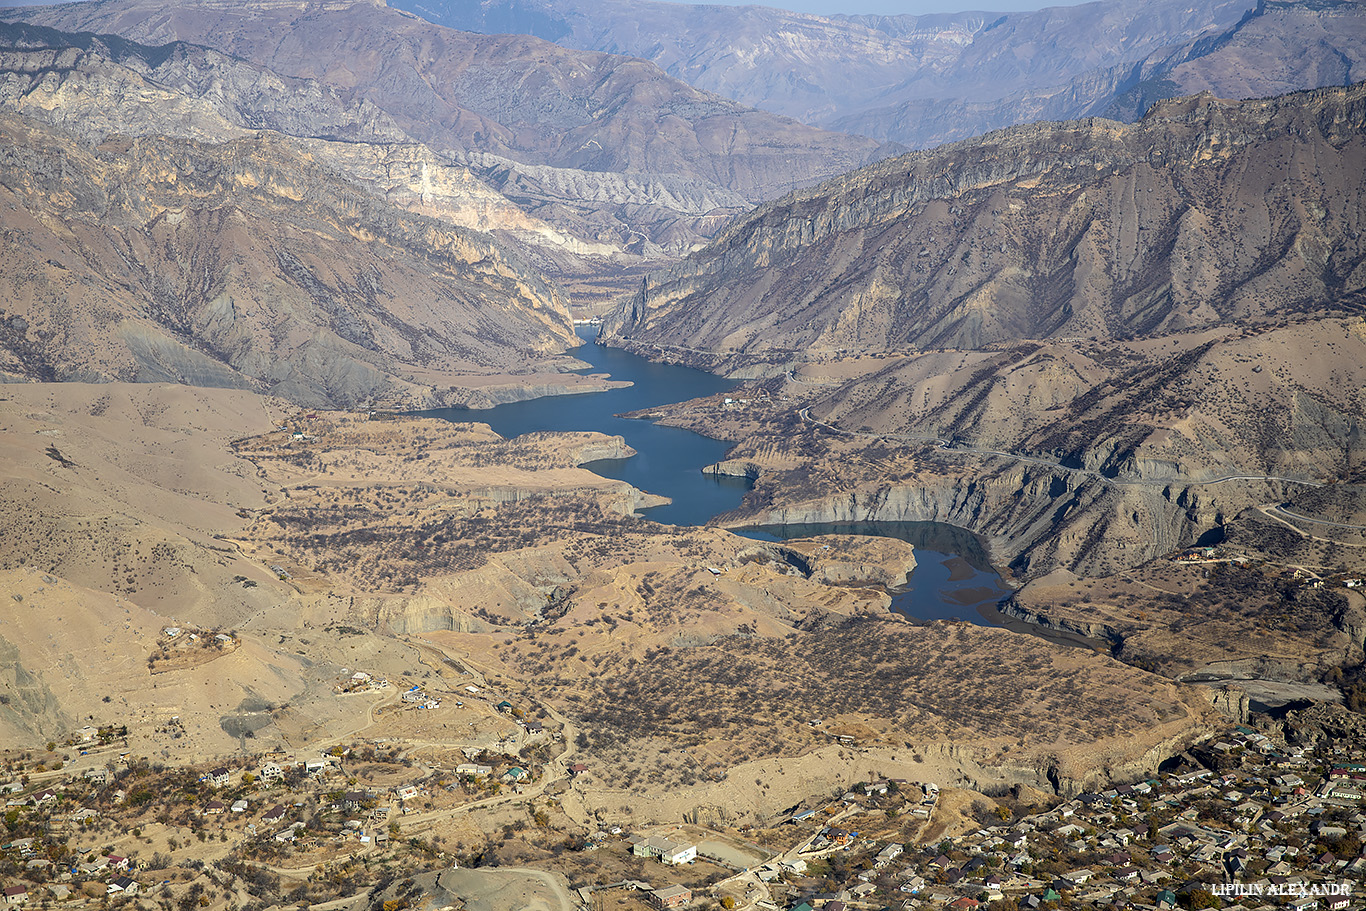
x,y
1205,213
1032,517
30,710
1092,456
607,149
245,264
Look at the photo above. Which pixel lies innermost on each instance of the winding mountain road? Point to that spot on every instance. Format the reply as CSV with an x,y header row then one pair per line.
x,y
1299,518
947,446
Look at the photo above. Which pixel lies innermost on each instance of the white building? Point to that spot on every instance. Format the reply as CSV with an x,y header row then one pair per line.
x,y
668,852
887,855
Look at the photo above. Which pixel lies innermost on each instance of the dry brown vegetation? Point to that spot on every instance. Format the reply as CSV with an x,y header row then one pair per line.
x,y
388,538
387,503
677,673
183,652
1176,619
531,576
746,697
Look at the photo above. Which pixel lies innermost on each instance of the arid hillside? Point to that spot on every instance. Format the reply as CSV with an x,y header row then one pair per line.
x,y
1091,456
606,148
245,264
114,500
1216,618
1199,405
95,87
1206,213
101,85
242,579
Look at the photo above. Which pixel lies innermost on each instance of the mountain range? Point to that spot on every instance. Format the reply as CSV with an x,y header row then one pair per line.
x,y
608,149
924,80
1204,213
1094,343
347,205
418,269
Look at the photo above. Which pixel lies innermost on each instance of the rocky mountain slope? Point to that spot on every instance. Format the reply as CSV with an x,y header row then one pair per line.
x,y
608,148
1092,344
97,86
1206,213
820,69
244,264
1092,456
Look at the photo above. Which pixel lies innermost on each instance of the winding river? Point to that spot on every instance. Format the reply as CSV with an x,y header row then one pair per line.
x,y
953,578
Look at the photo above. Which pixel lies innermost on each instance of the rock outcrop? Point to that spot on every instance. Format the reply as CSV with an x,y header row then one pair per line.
x,y
1232,701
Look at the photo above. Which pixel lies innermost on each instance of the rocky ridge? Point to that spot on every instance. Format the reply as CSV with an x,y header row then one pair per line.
x,y
1087,228
155,259
517,99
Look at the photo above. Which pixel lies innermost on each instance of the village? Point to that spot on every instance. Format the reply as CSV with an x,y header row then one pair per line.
x,y
1245,820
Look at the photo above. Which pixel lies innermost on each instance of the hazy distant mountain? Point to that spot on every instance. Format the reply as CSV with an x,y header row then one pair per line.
x,y
1278,47
924,80
1281,46
808,67
608,148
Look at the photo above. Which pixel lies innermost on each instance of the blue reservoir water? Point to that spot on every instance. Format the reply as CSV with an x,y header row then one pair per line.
x,y
669,459
953,578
